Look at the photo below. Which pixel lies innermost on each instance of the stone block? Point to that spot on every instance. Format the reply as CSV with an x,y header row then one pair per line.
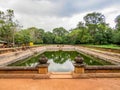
x,y
79,70
42,70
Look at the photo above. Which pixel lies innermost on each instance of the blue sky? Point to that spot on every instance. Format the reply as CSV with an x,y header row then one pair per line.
x,y
49,14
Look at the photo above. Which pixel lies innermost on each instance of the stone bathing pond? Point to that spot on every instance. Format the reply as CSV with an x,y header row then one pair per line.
x,y
60,61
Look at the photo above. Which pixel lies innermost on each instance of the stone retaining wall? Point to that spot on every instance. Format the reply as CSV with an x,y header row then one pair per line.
x,y
55,48
7,59
6,50
105,49
18,70
96,56
102,69
19,55
33,72
16,56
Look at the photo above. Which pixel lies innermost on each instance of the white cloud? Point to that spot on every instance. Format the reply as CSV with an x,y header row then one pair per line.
x,y
48,14
111,13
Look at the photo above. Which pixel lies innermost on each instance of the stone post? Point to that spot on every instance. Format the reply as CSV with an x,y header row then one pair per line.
x,y
79,68
43,68
43,65
79,65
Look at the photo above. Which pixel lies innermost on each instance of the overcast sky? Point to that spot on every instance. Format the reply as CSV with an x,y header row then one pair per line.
x,y
49,14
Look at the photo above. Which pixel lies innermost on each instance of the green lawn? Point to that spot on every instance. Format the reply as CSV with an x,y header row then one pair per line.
x,y
105,46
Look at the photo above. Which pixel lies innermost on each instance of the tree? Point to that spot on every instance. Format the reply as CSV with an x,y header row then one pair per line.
x,y
7,25
117,21
18,38
81,28
25,36
109,36
60,31
92,20
58,40
80,36
73,36
80,25
116,33
116,37
48,38
66,39
36,35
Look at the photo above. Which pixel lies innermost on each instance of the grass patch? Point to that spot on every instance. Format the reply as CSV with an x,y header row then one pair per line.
x,y
111,46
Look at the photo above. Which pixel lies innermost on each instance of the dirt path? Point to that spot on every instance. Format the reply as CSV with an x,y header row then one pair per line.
x,y
60,84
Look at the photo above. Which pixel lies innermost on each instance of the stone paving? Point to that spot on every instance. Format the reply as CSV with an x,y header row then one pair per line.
x,y
10,57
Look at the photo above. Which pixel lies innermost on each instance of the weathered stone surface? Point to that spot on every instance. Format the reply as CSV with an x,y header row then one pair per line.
x,y
110,57
8,58
96,75
43,59
32,76
42,68
106,67
18,70
79,70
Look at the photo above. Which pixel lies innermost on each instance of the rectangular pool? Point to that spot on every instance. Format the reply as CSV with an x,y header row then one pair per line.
x,y
60,61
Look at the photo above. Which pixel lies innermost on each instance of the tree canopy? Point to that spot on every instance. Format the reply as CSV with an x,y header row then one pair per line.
x,y
93,30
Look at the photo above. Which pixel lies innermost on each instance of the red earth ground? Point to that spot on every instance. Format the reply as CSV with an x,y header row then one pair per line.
x,y
60,84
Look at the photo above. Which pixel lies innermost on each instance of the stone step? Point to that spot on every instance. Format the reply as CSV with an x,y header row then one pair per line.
x,y
61,75
115,60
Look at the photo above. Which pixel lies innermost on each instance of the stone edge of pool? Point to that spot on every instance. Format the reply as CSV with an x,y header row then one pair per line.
x,y
16,56
109,71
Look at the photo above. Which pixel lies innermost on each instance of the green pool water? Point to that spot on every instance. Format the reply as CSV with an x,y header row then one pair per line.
x,y
60,61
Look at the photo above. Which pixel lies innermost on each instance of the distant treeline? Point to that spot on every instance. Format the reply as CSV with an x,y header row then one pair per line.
x,y
94,31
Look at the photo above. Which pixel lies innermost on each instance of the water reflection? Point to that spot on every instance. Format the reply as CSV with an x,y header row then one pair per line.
x,y
60,61
67,66
60,56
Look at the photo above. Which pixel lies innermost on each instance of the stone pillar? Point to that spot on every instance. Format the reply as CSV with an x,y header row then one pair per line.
x,y
43,68
79,65
79,68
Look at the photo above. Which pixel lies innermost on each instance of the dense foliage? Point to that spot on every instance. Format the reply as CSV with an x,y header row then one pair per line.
x,y
94,31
